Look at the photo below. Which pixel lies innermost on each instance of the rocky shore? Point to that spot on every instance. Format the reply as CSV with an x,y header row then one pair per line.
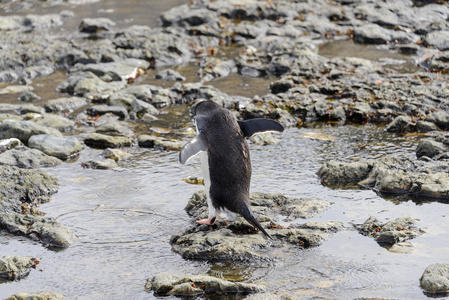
x,y
102,103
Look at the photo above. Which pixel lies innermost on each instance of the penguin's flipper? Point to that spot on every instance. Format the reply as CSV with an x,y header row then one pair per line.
x,y
192,148
253,126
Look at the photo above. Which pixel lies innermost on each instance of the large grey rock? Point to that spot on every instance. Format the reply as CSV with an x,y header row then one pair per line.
x,y
114,127
337,172
237,240
56,121
194,285
435,279
400,124
102,141
23,130
37,296
24,157
45,230
430,148
438,39
65,104
19,186
16,267
62,148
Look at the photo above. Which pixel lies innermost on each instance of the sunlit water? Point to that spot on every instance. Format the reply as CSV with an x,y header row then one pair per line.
x,y
124,218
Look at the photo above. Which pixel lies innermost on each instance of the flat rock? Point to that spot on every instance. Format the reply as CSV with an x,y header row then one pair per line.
x,y
151,141
36,296
62,148
113,127
237,240
23,130
392,232
45,230
103,164
24,157
99,110
55,121
116,71
435,279
65,104
115,154
191,285
16,267
102,141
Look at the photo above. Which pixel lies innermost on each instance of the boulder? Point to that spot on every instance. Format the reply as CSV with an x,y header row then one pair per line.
x,y
65,104
24,157
62,148
16,267
435,279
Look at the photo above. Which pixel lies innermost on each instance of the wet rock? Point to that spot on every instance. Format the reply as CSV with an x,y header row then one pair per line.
x,y
191,285
336,172
214,68
424,126
400,124
392,232
440,118
36,296
16,267
103,164
102,141
430,148
23,130
401,247
115,154
151,141
266,138
58,122
93,25
15,89
99,110
375,34
65,104
29,97
237,241
113,127
26,158
169,75
435,279
272,296
438,39
62,148
140,108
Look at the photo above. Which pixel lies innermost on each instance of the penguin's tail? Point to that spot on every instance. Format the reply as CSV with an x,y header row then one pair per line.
x,y
248,215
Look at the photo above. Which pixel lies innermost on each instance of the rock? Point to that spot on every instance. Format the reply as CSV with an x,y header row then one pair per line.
x,y
65,104
236,241
46,230
113,127
214,68
424,126
37,71
102,141
190,285
23,130
16,89
16,267
21,186
401,247
400,124
151,141
93,25
26,158
335,172
435,279
440,118
9,144
115,154
141,108
103,164
119,70
99,110
29,96
392,232
266,138
30,108
62,148
169,75
430,148
36,296
437,39
58,122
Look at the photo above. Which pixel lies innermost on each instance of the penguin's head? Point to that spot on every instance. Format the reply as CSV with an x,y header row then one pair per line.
x,y
204,107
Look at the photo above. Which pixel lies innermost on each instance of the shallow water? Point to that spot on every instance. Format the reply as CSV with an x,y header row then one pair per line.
x,y
124,218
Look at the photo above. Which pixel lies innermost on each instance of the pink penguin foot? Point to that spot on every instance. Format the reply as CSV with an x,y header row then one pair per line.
x,y
206,221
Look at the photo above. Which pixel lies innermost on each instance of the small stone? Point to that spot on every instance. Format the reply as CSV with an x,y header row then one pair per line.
x,y
104,164
29,97
93,25
115,154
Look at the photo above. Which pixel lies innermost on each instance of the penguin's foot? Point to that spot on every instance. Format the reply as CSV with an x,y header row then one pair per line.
x,y
209,222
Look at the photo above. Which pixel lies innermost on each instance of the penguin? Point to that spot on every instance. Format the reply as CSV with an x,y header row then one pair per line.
x,y
225,160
